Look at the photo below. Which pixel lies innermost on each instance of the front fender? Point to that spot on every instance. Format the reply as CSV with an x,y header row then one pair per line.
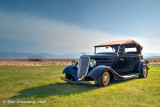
x,y
70,70
94,73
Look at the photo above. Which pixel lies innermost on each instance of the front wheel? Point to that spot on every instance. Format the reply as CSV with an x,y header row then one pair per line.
x,y
143,71
103,79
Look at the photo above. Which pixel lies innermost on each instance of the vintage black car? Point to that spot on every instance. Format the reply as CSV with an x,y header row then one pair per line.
x,y
117,60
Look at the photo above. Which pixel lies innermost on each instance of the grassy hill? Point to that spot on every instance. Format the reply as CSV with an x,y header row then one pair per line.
x,y
41,85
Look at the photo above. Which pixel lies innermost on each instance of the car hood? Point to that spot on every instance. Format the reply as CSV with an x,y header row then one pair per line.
x,y
102,56
107,59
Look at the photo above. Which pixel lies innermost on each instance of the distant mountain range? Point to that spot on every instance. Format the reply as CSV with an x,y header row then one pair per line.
x,y
17,55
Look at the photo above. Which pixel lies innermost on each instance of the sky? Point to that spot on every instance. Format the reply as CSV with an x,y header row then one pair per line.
x,y
75,26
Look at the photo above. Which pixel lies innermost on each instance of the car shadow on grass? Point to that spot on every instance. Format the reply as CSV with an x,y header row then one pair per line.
x,y
57,89
60,89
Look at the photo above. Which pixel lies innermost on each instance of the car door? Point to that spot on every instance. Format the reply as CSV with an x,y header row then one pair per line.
x,y
122,62
134,56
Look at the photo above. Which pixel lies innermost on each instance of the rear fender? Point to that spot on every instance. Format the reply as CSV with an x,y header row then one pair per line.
x,y
140,65
70,70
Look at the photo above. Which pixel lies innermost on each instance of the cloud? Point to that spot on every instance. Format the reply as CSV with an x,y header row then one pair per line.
x,y
25,33
150,43
49,35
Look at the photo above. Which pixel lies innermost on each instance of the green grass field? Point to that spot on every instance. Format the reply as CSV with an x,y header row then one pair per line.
x,y
43,85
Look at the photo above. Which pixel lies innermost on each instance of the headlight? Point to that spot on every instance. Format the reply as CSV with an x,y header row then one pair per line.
x,y
74,63
92,63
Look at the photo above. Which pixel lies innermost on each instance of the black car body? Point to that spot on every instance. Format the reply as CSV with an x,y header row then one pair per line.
x,y
104,66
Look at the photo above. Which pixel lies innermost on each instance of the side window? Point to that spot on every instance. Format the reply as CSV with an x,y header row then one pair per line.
x,y
132,50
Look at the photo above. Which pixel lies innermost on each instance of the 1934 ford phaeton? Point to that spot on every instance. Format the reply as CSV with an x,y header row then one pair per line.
x,y
117,60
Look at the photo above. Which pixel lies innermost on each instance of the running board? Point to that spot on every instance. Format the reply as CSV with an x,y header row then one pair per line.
x,y
128,76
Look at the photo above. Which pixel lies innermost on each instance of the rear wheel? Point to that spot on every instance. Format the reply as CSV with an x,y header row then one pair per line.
x,y
103,79
143,71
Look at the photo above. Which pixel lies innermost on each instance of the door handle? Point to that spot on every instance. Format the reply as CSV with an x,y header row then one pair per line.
x,y
121,59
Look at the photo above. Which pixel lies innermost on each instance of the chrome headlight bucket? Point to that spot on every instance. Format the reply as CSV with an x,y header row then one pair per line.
x,y
74,63
92,63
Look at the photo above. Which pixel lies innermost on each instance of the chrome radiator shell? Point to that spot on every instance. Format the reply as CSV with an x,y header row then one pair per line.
x,y
83,66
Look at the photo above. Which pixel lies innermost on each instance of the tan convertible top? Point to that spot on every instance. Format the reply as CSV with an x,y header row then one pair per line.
x,y
120,42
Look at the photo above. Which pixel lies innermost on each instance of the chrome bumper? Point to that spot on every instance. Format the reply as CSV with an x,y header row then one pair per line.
x,y
75,82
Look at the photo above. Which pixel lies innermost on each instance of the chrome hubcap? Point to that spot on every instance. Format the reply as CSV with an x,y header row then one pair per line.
x,y
105,77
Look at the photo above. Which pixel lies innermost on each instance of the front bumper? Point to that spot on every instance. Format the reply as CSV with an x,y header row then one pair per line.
x,y
75,82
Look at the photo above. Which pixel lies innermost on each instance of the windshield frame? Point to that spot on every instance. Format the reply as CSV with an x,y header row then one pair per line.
x,y
116,47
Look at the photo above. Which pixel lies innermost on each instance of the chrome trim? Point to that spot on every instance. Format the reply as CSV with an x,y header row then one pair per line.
x,y
79,66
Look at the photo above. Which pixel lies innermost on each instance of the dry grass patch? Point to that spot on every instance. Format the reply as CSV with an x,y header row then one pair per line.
x,y
25,62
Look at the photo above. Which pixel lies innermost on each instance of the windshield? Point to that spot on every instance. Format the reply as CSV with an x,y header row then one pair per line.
x,y
106,50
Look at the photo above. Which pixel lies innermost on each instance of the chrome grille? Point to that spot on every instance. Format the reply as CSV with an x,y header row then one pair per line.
x,y
83,66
